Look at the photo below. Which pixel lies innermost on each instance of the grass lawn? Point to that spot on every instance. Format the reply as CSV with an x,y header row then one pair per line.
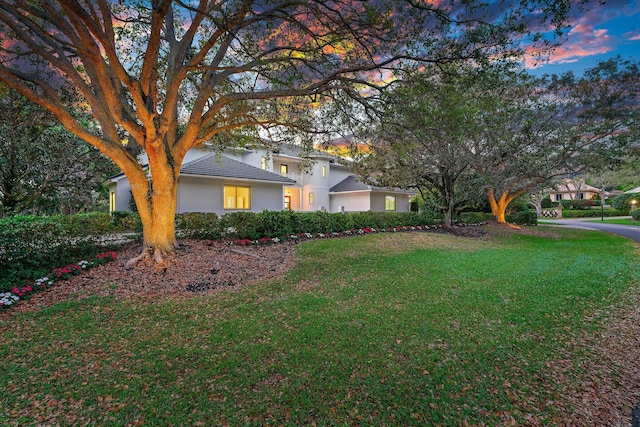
x,y
386,329
626,221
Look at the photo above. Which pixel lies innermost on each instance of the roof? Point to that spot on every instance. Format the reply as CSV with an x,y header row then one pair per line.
x,y
562,188
224,167
352,183
296,151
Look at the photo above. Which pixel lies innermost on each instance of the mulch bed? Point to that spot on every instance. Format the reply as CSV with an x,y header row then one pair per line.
x,y
197,266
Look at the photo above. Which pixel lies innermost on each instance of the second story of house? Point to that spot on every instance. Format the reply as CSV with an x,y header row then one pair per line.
x,y
315,169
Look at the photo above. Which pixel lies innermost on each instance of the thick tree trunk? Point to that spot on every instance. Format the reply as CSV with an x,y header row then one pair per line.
x,y
499,206
156,203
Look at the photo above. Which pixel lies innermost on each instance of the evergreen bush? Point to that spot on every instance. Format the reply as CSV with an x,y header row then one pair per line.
x,y
623,202
523,218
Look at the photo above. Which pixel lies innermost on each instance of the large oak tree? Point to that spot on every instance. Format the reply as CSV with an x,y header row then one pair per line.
x,y
165,76
558,125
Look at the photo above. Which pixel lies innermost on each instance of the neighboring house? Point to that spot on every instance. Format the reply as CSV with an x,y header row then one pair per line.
x,y
254,179
569,190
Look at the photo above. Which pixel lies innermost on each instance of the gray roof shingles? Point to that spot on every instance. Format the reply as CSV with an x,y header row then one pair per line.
x,y
224,167
352,183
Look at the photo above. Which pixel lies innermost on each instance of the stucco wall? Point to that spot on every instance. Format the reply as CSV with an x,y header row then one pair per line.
x,y
352,202
378,202
199,194
123,194
337,174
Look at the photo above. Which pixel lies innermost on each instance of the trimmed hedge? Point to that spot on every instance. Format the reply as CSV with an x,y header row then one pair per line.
x,y
30,246
635,214
592,213
578,204
250,225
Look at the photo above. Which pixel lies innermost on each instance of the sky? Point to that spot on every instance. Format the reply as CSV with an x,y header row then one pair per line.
x,y
597,34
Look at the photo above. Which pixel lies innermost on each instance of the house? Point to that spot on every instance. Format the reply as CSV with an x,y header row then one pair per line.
x,y
256,179
574,190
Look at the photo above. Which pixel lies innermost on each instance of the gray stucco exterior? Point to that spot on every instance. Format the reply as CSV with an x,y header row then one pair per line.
x,y
276,180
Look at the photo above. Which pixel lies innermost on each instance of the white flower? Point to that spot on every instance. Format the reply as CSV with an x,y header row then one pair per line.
x,y
8,298
275,240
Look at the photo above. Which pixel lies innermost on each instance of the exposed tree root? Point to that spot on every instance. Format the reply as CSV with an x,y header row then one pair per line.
x,y
510,225
159,257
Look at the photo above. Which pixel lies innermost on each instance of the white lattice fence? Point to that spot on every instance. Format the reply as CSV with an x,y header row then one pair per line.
x,y
550,213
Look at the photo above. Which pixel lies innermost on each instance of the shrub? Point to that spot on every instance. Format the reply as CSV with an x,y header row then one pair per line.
x,y
30,246
125,221
623,201
592,213
523,218
518,205
199,225
635,214
474,217
566,204
583,204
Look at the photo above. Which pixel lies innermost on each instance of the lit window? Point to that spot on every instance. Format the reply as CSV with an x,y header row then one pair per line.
x,y
112,201
237,197
311,198
264,163
390,203
284,169
324,171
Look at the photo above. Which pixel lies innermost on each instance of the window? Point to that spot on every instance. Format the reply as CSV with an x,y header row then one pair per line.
x,y
390,203
581,196
284,169
311,198
112,201
558,197
324,171
237,197
264,163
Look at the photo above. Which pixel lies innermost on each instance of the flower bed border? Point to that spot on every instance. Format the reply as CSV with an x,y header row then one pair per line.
x,y
347,233
9,299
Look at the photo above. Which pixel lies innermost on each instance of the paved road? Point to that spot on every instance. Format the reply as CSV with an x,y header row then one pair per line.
x,y
630,231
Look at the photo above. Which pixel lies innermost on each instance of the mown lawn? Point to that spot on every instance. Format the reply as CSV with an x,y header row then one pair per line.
x,y
388,329
623,221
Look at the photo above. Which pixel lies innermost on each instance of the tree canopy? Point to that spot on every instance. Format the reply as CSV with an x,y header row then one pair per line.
x,y
43,167
165,76
500,130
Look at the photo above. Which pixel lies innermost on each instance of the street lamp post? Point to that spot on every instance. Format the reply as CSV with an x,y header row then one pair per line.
x,y
633,206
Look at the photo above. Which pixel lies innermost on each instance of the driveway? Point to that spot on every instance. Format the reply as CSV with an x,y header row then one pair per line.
x,y
630,231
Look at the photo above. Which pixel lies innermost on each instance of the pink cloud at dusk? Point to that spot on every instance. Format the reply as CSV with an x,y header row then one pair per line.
x,y
597,32
582,41
632,35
